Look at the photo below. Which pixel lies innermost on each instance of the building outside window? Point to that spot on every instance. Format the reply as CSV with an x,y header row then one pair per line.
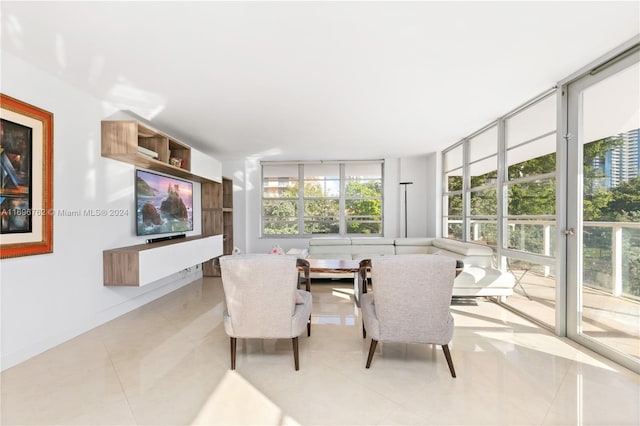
x,y
314,198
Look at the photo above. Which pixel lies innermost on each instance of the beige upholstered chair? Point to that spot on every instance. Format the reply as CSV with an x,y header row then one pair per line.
x,y
410,302
262,299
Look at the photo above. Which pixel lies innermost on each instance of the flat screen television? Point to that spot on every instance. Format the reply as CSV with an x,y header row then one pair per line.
x,y
163,204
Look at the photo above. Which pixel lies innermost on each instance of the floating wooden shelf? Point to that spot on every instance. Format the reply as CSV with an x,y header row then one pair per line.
x,y
120,141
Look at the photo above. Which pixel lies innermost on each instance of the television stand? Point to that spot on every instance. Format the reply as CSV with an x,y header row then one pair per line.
x,y
145,263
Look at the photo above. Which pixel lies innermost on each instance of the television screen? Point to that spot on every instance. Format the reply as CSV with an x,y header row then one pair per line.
x,y
163,204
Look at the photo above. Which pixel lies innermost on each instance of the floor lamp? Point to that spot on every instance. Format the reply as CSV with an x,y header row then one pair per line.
x,y
405,205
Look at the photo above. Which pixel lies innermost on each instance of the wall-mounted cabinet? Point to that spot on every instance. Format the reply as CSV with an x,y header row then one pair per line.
x,y
211,218
135,143
145,263
217,218
138,144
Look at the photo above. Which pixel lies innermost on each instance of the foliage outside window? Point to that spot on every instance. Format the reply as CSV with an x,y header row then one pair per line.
x,y
473,187
280,200
342,198
530,182
452,193
611,195
483,186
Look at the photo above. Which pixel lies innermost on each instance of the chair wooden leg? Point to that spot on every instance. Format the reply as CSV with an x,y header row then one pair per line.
x,y
372,350
295,353
309,326
233,353
447,355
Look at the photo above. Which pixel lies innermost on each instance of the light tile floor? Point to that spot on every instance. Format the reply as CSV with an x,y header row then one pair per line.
x,y
613,321
167,363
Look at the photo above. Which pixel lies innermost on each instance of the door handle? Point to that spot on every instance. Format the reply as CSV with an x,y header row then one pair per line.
x,y
570,231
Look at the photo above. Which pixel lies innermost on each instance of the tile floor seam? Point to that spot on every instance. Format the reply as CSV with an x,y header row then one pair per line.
x,y
558,387
124,392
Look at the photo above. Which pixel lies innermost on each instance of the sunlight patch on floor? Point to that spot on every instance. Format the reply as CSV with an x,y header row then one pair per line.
x,y
236,402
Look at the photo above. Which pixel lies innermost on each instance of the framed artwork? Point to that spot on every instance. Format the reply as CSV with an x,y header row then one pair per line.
x,y
26,179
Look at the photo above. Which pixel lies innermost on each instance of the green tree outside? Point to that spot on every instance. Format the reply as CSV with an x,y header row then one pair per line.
x,y
363,210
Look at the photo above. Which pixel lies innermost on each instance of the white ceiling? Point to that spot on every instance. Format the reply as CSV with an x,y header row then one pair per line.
x,y
307,80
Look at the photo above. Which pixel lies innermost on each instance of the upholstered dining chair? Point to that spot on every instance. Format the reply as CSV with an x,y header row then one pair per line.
x,y
262,299
410,302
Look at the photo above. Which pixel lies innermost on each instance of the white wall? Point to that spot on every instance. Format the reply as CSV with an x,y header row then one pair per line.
x,y
47,299
414,169
434,194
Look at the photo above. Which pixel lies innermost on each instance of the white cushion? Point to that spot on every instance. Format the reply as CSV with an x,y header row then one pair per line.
x,y
484,277
415,249
373,250
378,241
413,241
330,242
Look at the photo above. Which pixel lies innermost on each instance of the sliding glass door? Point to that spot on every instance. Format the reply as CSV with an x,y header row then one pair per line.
x,y
603,211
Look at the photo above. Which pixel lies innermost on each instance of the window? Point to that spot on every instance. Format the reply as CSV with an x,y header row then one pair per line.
x,y
483,184
280,200
452,193
363,198
500,190
531,178
340,198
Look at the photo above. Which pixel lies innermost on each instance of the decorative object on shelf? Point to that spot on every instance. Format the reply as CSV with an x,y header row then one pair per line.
x,y
176,162
148,152
26,179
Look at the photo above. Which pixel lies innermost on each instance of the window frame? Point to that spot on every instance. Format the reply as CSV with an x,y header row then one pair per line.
x,y
342,199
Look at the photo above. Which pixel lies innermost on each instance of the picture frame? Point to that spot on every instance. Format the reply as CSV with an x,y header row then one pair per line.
x,y
26,179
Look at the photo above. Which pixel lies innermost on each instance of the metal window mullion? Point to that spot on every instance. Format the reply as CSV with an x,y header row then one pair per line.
x,y
541,217
482,188
342,227
550,175
466,198
382,198
300,200
502,195
444,207
262,215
